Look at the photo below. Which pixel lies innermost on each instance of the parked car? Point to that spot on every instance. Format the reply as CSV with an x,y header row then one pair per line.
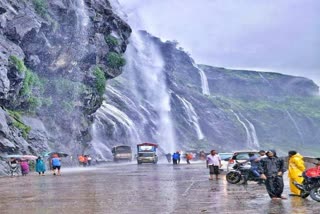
x,y
225,157
240,156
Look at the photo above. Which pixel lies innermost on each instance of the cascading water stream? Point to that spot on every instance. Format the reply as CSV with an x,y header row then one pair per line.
x,y
252,139
192,116
204,80
81,35
265,79
253,134
150,86
137,108
296,127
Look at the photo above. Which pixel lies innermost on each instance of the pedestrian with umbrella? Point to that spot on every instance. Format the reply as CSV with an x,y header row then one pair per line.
x,y
13,164
40,166
56,164
24,164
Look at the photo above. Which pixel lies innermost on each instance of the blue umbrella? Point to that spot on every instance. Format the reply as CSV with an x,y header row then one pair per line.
x,y
60,154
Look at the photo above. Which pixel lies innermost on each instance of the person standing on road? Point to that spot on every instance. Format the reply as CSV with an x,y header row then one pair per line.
x,y
13,164
89,160
296,167
272,169
24,167
179,157
40,166
56,164
168,156
189,157
213,163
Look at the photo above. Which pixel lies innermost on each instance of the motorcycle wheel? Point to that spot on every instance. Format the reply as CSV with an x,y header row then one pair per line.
x,y
233,177
315,193
304,194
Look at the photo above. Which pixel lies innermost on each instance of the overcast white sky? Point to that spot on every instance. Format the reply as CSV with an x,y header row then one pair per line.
x,y
271,35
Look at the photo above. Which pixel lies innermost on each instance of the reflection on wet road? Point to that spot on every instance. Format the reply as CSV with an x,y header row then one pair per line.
x,y
146,188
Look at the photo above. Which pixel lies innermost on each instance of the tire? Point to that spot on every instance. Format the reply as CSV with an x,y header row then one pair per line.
x,y
315,193
233,177
139,162
304,194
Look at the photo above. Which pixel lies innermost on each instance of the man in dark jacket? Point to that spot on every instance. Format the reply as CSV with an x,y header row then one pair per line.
x,y
272,169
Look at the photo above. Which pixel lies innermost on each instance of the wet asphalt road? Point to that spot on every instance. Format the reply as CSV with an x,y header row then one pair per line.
x,y
147,188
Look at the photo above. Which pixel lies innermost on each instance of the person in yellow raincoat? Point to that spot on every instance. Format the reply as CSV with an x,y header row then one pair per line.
x,y
296,167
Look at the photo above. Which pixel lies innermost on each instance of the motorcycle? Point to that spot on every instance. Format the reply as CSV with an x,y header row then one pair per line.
x,y
241,171
311,183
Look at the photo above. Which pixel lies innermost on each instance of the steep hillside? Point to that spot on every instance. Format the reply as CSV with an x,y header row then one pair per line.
x,y
55,58
242,110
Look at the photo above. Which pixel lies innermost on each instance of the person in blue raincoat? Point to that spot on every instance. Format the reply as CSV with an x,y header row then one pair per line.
x,y
40,166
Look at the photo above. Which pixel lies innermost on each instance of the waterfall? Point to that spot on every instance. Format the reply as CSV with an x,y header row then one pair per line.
x,y
252,139
266,80
193,118
99,141
109,120
137,105
204,80
253,134
82,15
296,127
150,86
81,36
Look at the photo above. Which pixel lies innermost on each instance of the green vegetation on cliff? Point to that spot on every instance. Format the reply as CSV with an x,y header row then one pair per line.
x,y
32,87
115,60
100,81
111,41
18,124
41,7
308,106
18,63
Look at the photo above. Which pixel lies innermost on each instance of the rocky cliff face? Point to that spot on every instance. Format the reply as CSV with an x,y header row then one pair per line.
x,y
245,109
55,57
238,110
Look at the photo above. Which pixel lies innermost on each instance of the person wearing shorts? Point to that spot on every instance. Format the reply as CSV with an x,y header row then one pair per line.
x,y
214,164
56,164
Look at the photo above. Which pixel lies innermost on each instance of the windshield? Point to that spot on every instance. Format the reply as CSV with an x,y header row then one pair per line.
x,y
245,156
225,156
123,149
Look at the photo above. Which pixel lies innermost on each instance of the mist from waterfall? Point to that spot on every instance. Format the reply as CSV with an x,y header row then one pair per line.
x,y
192,116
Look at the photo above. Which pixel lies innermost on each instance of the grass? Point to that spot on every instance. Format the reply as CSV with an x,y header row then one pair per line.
x,y
41,7
111,41
18,63
25,130
100,81
115,60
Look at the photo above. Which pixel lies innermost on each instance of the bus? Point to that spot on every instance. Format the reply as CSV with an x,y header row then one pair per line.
x,y
147,153
122,152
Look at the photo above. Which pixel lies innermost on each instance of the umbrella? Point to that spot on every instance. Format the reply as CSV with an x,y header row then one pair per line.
x,y
25,157
60,154
29,157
